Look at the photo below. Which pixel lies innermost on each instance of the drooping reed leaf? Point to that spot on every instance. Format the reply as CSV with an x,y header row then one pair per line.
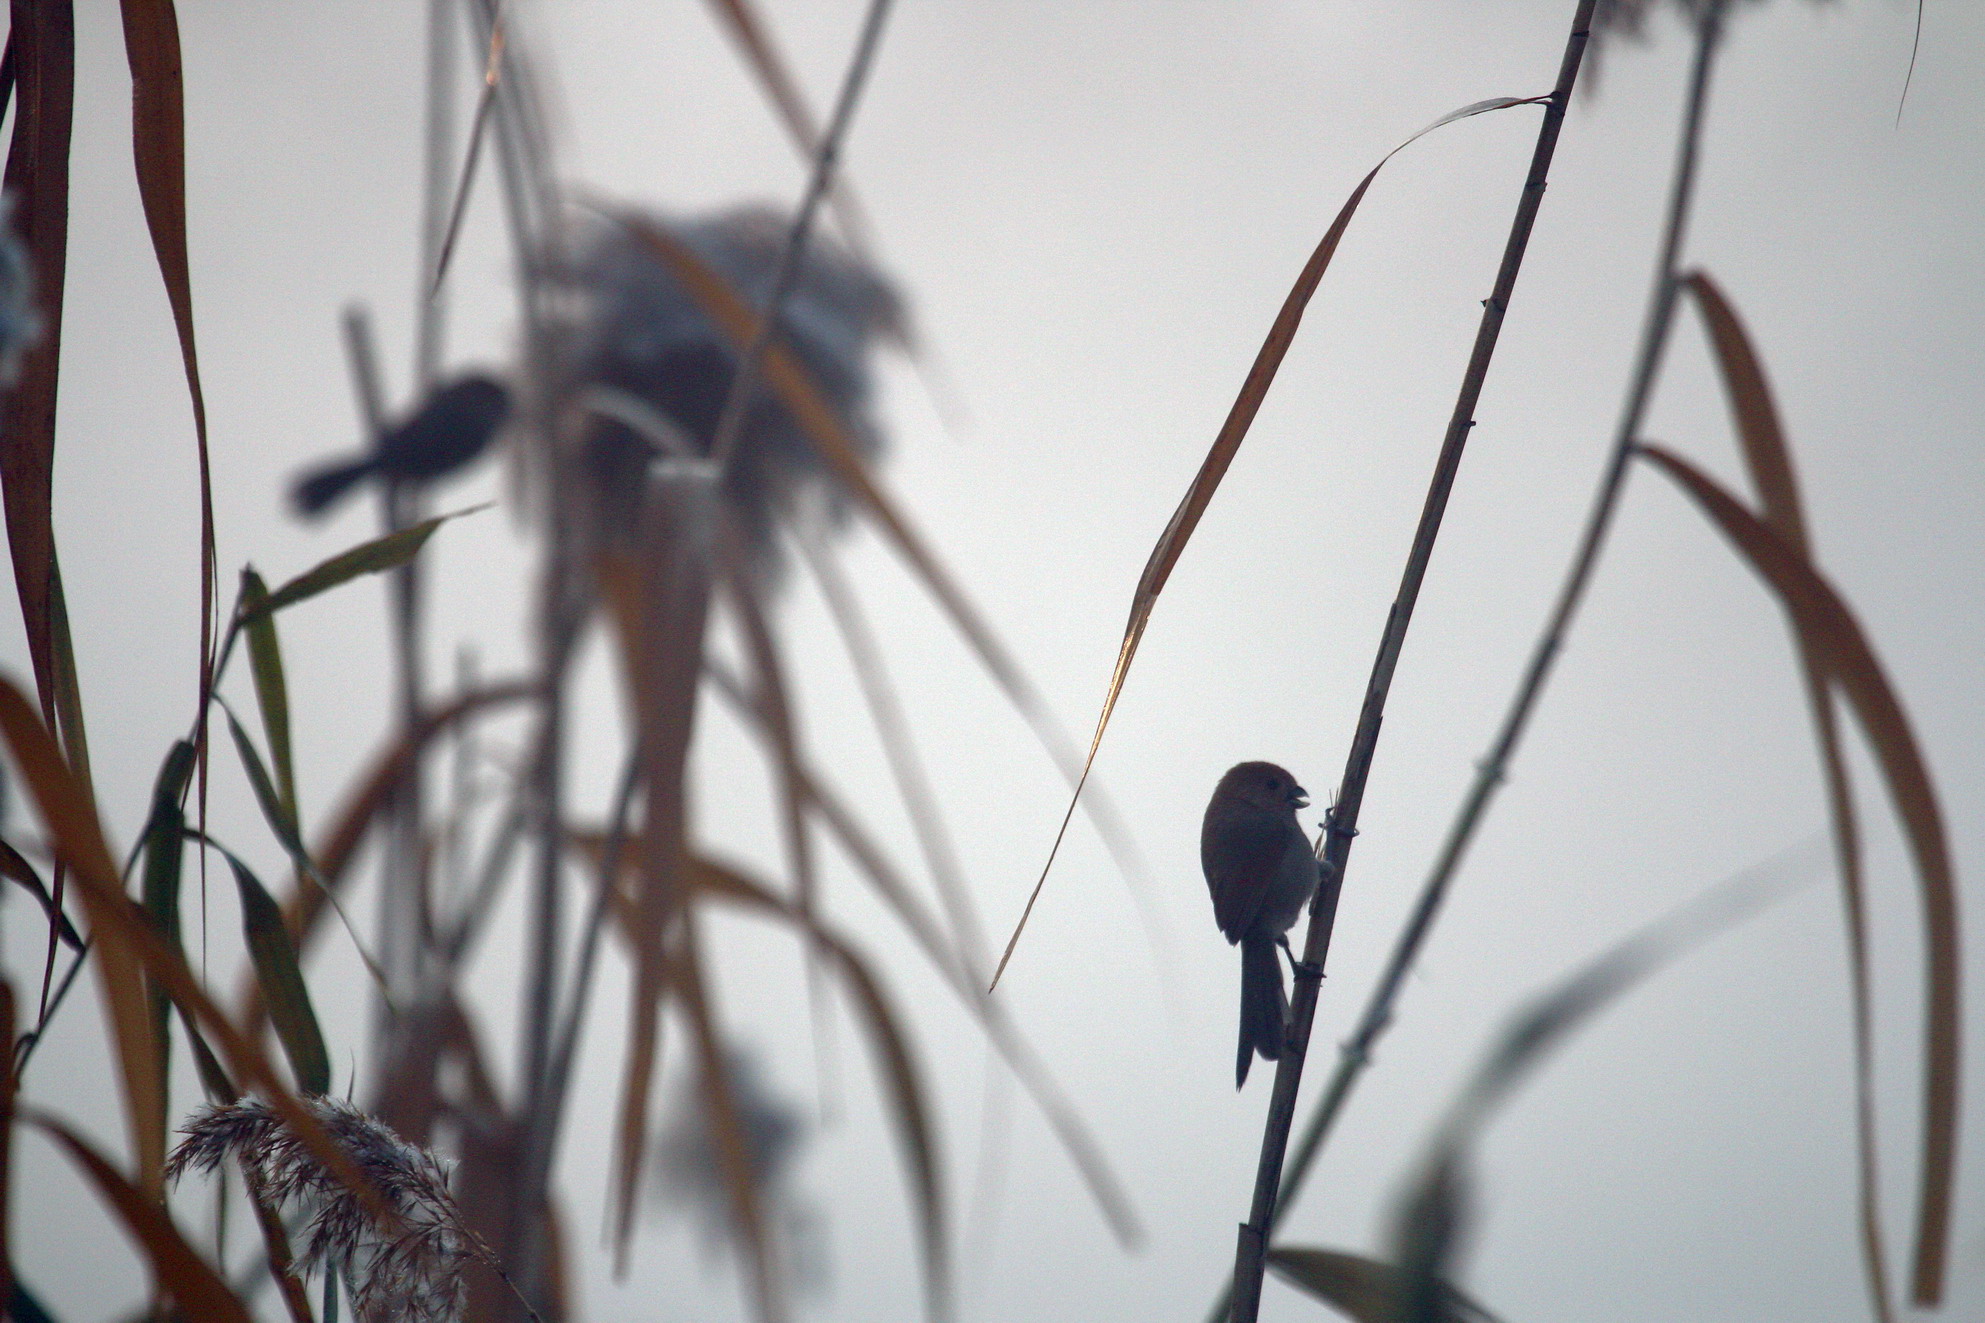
x,y
1769,459
1830,627
42,42
177,1268
1179,529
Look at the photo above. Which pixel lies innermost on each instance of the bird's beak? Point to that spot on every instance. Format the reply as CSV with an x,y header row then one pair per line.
x,y
1299,797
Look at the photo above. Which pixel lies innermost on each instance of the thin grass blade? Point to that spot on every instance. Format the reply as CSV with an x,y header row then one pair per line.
x,y
1827,622
1226,444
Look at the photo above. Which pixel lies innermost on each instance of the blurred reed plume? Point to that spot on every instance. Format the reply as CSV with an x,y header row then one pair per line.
x,y
408,1269
641,355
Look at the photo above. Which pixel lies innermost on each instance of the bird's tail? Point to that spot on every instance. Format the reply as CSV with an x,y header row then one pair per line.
x,y
1264,1006
317,490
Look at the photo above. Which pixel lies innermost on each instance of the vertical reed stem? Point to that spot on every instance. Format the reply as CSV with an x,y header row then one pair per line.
x,y
1251,1249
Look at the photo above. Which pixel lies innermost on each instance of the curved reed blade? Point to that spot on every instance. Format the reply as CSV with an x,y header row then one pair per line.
x,y
177,1268
283,989
910,1109
1226,444
158,142
1362,1288
1769,460
15,868
1848,661
42,45
381,553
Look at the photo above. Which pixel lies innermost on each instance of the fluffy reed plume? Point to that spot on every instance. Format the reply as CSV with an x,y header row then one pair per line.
x,y
410,1270
631,330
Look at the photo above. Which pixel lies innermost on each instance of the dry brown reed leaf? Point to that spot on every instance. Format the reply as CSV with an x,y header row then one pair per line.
x,y
42,41
1179,529
1842,652
177,1268
404,1265
657,593
129,949
158,141
1769,460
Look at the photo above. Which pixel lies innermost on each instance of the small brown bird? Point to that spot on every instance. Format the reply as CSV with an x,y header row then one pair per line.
x,y
1261,871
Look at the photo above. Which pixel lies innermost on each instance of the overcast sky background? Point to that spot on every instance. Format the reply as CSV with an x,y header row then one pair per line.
x,y
1096,211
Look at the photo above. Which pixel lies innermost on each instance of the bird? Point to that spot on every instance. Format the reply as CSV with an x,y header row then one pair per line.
x,y
1261,871
449,430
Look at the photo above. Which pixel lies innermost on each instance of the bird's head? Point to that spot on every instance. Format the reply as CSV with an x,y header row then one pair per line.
x,y
1265,786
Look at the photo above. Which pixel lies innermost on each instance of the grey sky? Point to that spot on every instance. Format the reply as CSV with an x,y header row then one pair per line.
x,y
1096,211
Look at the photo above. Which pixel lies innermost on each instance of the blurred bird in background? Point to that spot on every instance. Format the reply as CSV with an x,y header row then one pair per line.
x,y
449,431
1261,871
689,1174
633,329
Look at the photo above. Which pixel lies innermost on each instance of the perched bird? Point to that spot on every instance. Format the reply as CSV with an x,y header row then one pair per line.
x,y
450,429
1261,871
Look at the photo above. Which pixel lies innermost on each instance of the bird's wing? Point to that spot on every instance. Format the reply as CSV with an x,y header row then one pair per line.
x,y
1240,849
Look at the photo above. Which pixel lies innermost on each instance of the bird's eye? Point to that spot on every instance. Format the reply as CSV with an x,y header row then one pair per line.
x,y
1273,784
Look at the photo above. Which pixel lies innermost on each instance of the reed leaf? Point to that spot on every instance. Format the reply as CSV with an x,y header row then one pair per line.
x,y
1829,627
381,553
158,144
284,991
1172,542
165,841
1769,460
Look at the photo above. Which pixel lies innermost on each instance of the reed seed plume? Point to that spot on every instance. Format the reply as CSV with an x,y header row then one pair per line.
x,y
410,1270
633,328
